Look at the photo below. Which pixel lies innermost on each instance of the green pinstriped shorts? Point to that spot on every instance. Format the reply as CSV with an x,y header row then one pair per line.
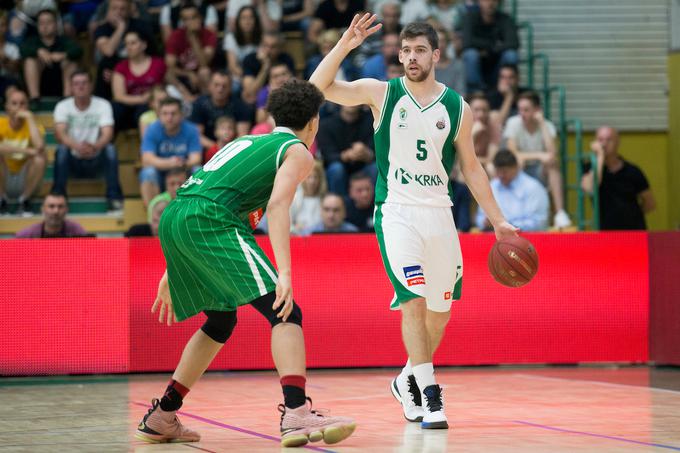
x,y
212,258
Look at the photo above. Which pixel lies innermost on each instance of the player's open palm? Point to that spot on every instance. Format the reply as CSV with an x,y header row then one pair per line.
x,y
284,297
359,30
163,302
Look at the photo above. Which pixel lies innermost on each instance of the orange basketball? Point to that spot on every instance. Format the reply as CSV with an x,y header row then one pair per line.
x,y
513,261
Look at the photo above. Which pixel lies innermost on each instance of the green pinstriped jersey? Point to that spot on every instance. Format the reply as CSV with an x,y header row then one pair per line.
x,y
241,175
414,146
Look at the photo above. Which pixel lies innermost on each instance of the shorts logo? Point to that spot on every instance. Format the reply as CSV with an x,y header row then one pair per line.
x,y
414,275
255,217
447,295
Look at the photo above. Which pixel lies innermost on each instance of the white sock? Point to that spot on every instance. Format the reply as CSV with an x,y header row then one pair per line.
x,y
407,370
424,374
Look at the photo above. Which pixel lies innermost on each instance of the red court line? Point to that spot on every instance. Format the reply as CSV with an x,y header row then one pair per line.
x,y
236,428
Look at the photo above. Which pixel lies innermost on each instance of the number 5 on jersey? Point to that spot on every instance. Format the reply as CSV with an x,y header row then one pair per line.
x,y
422,151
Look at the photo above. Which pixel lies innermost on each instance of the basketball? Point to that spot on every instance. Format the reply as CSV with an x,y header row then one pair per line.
x,y
513,261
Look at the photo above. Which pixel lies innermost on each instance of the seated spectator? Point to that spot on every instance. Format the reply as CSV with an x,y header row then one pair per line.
x,y
49,59
359,203
132,81
22,152
171,142
10,57
486,133
54,224
305,211
173,180
296,15
225,132
244,39
149,229
490,40
447,13
625,195
503,100
24,18
219,102
523,200
376,66
189,53
450,71
532,138
394,68
171,16
158,93
345,140
269,12
279,73
333,14
76,15
390,13
256,64
332,216
327,40
84,129
110,46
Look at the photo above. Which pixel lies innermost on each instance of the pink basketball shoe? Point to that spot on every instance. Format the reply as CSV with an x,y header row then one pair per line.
x,y
302,424
159,426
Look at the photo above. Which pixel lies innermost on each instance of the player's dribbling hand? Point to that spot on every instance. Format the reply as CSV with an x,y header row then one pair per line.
x,y
163,302
358,30
284,296
505,230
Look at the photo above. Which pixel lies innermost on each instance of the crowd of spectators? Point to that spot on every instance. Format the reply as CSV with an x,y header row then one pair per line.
x,y
191,76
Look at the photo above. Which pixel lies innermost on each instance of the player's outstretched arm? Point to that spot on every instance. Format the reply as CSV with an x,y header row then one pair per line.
x,y
362,91
477,180
297,164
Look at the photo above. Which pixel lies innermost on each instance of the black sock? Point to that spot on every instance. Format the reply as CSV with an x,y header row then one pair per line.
x,y
172,399
293,396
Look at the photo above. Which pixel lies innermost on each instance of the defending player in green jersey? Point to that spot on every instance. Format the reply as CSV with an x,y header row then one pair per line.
x,y
214,265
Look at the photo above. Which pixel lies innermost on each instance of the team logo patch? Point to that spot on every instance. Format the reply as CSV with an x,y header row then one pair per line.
x,y
402,113
414,275
403,176
441,123
255,217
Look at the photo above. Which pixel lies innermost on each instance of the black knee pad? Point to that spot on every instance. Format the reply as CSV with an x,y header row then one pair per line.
x,y
264,306
219,325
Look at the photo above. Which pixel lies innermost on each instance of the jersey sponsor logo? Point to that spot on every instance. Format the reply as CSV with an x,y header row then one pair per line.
x,y
191,181
414,275
405,177
255,217
402,113
441,123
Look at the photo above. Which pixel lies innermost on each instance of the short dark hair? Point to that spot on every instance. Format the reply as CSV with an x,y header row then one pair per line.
x,y
415,29
170,101
81,72
360,175
530,96
510,66
221,73
477,96
504,159
56,194
333,194
49,11
295,104
189,5
177,171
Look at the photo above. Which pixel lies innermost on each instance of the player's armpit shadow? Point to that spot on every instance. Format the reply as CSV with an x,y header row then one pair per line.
x,y
418,440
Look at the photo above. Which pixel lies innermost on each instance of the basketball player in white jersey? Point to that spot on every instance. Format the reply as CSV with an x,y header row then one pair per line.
x,y
417,122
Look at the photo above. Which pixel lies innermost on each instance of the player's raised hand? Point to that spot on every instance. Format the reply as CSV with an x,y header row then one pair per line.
x,y
359,30
163,302
505,229
284,296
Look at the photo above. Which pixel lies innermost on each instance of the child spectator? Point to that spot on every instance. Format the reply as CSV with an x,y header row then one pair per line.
x,y
225,132
158,94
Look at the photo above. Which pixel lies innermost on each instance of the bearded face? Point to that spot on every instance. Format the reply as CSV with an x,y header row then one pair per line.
x,y
418,58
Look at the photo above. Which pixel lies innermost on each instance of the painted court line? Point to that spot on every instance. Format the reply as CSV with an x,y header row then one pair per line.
x,y
235,428
606,384
601,436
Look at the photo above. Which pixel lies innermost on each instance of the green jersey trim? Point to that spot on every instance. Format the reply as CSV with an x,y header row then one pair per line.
x,y
383,108
430,105
282,148
460,117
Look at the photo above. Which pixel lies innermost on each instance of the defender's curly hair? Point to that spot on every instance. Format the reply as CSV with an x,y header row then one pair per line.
x,y
295,103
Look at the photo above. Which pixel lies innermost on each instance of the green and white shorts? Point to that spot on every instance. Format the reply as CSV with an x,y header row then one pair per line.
x,y
212,258
421,253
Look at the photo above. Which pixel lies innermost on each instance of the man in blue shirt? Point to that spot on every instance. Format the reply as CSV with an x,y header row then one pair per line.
x,y
376,66
169,143
522,199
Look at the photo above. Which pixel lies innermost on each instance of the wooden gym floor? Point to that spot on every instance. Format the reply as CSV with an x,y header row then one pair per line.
x,y
523,409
